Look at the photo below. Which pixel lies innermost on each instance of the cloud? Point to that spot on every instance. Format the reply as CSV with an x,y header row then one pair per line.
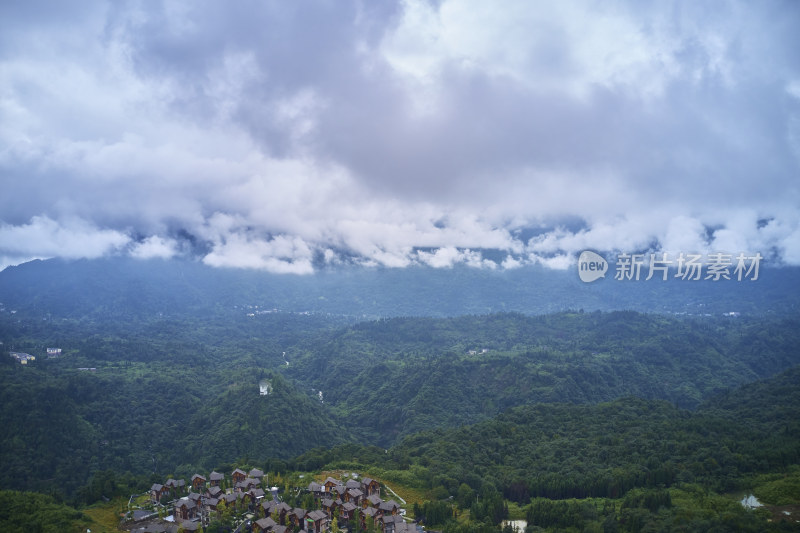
x,y
281,136
155,247
43,237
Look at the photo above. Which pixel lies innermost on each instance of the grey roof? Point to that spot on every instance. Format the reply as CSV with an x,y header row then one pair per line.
x,y
255,473
404,527
349,506
355,492
198,476
157,487
188,503
317,515
191,526
314,487
352,484
267,522
216,476
388,506
299,512
279,529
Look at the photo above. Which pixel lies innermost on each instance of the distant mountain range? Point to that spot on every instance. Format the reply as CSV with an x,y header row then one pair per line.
x,y
118,287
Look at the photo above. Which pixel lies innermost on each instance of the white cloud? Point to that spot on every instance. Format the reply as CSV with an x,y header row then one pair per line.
x,y
155,247
281,255
424,135
43,237
448,256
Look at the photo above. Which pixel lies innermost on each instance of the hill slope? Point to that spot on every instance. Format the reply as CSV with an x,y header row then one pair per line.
x,y
115,288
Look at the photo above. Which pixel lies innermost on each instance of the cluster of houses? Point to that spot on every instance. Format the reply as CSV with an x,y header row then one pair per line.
x,y
23,358
194,505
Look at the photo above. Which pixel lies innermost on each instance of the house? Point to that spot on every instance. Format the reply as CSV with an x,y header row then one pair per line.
x,y
329,506
198,481
238,476
369,512
185,510
215,479
177,485
352,484
283,509
263,525
353,496
390,523
317,521
297,517
389,508
256,474
279,529
53,352
370,487
338,491
316,489
268,506
401,527
246,484
373,501
254,495
347,511
211,504
157,491
22,358
330,484
231,499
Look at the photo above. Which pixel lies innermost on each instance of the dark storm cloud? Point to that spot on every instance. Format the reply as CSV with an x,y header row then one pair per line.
x,y
278,135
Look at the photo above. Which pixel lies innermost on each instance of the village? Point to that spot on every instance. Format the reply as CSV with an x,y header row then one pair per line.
x,y
247,499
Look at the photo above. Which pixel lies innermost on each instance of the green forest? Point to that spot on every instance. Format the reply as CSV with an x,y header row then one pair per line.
x,y
573,421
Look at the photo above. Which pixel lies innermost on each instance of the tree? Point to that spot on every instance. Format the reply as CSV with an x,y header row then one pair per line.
x,y
465,496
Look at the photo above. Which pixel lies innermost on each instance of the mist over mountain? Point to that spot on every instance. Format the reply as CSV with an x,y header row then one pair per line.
x,y
117,287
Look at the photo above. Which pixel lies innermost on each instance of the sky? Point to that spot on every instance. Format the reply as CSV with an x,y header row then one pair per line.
x,y
295,136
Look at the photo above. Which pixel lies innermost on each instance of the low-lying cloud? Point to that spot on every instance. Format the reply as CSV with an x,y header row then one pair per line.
x,y
288,137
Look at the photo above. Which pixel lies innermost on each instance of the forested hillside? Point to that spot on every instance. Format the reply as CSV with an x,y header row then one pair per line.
x,y
173,395
629,465
423,373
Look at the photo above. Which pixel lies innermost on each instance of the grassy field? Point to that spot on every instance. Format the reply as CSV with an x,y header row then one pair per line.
x,y
106,516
